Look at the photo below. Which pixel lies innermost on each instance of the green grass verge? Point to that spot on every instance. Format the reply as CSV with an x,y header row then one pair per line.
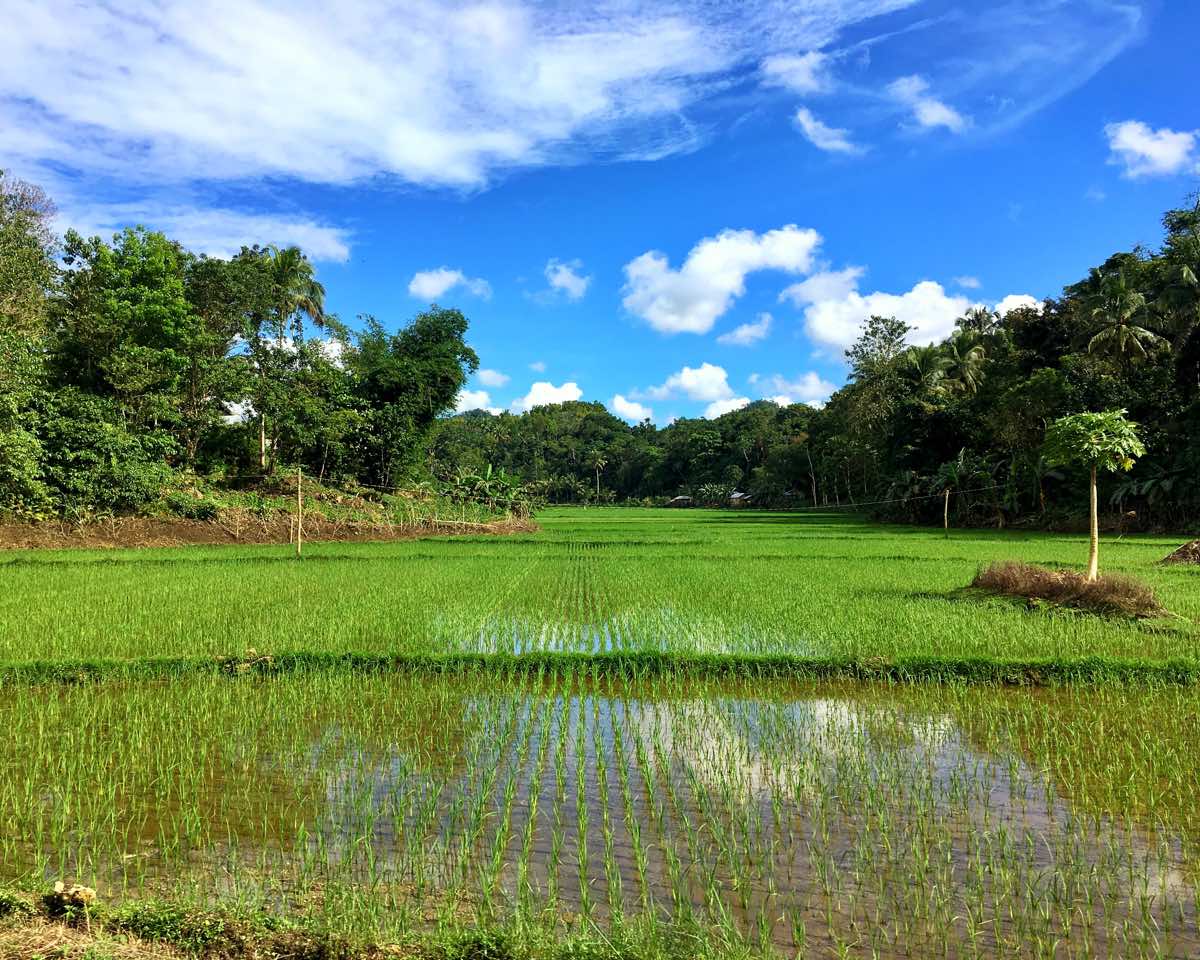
x,y
625,665
136,928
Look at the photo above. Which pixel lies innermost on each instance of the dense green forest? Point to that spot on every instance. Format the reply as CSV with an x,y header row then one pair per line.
x,y
968,414
131,368
134,367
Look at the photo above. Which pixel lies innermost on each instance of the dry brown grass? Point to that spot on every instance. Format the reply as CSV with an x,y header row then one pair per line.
x,y
1188,553
1113,594
40,937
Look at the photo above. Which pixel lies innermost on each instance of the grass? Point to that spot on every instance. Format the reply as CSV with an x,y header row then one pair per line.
x,y
634,733
679,584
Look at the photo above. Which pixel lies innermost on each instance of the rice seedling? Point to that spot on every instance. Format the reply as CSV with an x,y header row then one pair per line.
x,y
695,730
820,816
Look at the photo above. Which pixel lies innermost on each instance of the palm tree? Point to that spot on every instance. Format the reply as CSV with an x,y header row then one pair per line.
x,y
296,291
925,369
965,360
598,464
295,294
1180,303
1121,310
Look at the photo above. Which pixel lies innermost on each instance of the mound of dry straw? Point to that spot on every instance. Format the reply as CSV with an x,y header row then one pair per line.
x,y
1188,553
1110,593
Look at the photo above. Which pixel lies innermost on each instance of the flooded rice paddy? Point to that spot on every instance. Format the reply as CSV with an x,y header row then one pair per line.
x,y
817,818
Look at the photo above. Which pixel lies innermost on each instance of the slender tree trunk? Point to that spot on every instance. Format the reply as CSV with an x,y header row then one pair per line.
x,y
262,442
1093,570
811,475
946,513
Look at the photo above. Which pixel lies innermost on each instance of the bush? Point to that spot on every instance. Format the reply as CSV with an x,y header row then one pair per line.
x,y
190,508
1110,593
92,463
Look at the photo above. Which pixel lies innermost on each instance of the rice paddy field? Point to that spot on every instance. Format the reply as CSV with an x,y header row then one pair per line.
x,y
634,733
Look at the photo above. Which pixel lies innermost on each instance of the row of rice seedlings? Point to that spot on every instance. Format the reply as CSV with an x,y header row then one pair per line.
x,y
823,818
679,585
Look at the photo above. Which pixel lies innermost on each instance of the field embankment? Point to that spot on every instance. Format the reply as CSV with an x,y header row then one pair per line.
x,y
230,528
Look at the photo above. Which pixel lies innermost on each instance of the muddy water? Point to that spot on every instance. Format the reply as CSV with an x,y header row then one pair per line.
x,y
822,816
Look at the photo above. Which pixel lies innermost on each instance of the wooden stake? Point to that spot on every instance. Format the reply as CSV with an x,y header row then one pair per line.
x,y
299,511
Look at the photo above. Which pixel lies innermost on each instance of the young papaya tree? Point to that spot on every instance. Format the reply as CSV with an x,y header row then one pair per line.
x,y
1107,441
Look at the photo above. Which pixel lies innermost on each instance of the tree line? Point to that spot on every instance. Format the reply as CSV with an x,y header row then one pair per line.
x,y
131,366
967,416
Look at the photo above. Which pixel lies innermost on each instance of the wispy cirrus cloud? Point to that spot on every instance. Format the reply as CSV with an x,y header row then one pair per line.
x,y
822,136
927,110
745,334
216,231
165,97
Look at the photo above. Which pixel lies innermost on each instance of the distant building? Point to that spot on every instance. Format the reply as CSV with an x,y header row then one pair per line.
x,y
740,499
679,502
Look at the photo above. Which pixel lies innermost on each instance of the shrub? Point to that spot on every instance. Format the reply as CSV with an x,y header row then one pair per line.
x,y
190,508
1111,593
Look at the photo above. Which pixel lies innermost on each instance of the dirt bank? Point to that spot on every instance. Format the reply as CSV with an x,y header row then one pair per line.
x,y
230,528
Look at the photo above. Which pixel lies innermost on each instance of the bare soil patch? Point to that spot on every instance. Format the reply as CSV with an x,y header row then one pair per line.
x,y
232,527
1113,594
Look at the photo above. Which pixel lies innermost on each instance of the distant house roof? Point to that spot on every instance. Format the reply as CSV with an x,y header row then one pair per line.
x,y
679,501
739,495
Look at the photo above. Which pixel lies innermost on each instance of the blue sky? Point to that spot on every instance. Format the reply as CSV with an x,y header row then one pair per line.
x,y
673,208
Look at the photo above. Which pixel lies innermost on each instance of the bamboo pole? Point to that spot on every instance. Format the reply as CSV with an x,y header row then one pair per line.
x,y
299,511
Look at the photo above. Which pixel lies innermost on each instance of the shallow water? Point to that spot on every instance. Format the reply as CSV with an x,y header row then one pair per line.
x,y
821,815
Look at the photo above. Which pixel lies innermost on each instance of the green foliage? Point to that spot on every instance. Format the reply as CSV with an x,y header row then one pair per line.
x,y
192,508
1108,441
27,247
156,361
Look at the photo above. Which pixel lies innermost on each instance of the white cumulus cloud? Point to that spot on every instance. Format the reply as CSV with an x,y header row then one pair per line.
x,y
834,309
810,388
543,393
690,299
1015,301
491,378
719,408
431,284
474,400
927,110
567,278
967,283
705,383
823,137
630,409
747,333
1144,152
